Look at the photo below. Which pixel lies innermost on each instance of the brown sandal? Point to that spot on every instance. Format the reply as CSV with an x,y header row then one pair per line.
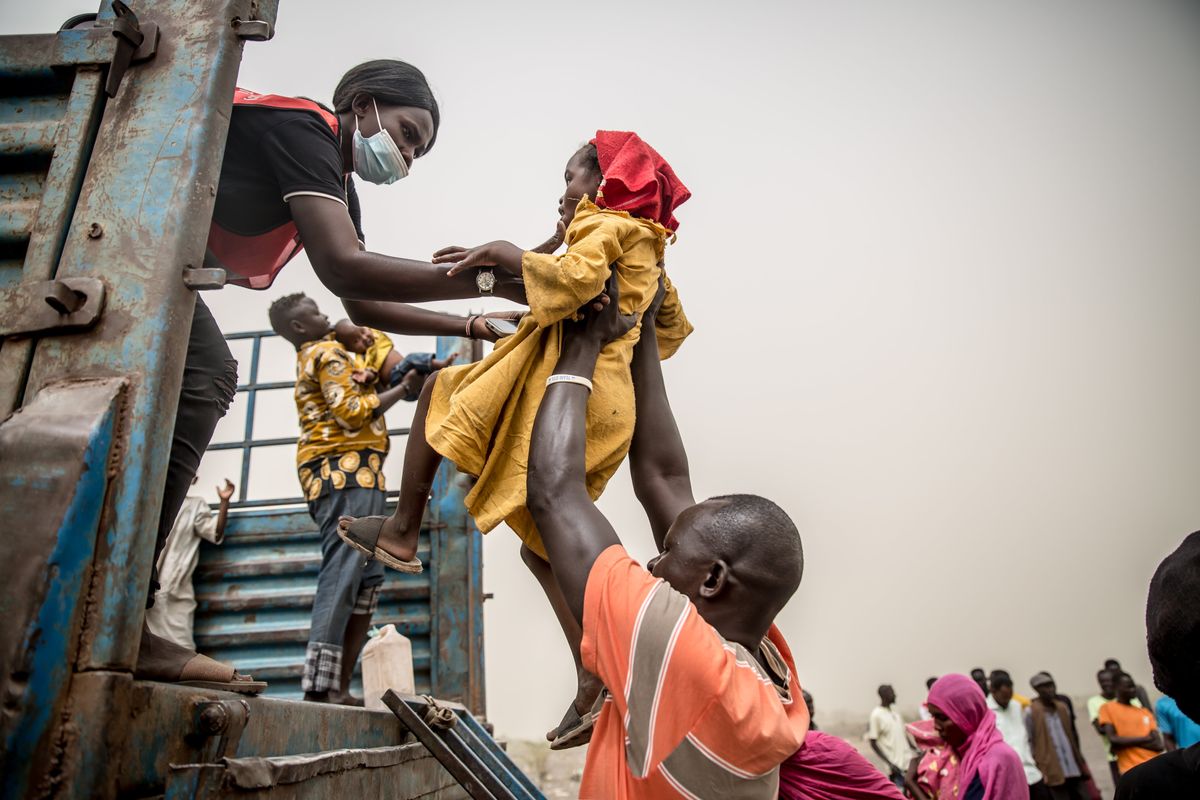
x,y
160,659
363,533
203,672
578,730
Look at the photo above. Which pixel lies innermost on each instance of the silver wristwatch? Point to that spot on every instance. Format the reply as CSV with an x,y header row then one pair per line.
x,y
485,279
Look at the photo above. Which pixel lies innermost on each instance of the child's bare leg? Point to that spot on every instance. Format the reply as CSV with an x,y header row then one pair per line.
x,y
588,686
400,533
352,645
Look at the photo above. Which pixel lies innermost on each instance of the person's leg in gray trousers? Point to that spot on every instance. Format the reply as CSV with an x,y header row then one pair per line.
x,y
347,579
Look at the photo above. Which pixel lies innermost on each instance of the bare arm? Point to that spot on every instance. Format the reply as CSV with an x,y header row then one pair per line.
x,y
389,398
573,530
1150,742
911,779
879,752
658,461
332,246
224,493
405,319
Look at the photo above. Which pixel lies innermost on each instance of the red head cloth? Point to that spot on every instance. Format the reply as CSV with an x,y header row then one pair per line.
x,y
637,179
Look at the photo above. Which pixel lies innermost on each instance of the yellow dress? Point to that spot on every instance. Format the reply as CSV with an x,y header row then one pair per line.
x,y
481,415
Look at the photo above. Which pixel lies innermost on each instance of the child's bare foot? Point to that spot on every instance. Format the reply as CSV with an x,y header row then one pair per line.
x,y
385,538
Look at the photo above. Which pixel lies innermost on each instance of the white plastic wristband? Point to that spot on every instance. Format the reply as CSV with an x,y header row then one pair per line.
x,y
564,378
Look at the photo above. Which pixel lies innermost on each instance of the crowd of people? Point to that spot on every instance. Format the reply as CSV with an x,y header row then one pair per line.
x,y
685,686
1042,730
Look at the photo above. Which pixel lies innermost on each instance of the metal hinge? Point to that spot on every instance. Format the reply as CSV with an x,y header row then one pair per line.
x,y
135,42
204,278
131,39
67,304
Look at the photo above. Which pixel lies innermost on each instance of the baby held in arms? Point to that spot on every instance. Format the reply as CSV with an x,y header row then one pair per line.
x,y
379,362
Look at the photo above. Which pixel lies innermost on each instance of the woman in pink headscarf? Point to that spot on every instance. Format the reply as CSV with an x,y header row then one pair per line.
x,y
988,768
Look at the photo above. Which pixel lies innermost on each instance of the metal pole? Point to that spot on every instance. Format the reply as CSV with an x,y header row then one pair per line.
x,y
251,397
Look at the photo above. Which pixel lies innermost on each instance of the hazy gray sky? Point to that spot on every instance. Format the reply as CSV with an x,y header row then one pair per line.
x,y
942,259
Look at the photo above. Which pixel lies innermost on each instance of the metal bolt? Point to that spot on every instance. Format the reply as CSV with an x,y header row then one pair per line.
x,y
213,719
95,230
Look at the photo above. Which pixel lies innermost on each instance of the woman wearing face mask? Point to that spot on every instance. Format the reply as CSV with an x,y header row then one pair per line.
x,y
284,187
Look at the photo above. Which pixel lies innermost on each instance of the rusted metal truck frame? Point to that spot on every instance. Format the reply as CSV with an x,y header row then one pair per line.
x,y
111,136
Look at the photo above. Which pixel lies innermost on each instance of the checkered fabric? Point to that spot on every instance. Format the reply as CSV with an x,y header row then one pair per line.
x,y
368,600
322,668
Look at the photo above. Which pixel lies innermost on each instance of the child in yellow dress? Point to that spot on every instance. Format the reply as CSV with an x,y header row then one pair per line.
x,y
480,416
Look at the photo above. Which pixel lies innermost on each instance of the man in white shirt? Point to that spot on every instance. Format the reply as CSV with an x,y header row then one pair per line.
x,y
888,737
1010,721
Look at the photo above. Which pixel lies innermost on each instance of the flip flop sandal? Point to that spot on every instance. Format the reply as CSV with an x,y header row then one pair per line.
x,y
580,731
202,672
363,533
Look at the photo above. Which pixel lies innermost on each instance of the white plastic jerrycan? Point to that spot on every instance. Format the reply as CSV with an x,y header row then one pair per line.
x,y
386,664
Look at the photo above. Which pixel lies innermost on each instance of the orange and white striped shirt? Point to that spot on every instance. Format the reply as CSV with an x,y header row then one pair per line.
x,y
688,714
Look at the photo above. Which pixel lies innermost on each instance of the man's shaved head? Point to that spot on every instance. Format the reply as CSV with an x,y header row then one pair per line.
x,y
738,557
749,529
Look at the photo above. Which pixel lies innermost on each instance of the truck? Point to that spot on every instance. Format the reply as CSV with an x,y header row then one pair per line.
x,y
111,137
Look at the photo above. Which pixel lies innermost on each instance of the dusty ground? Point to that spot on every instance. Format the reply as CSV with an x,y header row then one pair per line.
x,y
558,773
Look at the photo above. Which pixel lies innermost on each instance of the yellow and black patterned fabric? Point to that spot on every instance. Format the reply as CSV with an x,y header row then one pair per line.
x,y
339,432
357,469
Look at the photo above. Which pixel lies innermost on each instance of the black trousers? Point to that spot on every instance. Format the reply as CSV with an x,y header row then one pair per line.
x,y
1073,789
209,384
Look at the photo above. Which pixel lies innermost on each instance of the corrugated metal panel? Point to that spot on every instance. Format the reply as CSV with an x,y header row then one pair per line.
x,y
30,113
255,594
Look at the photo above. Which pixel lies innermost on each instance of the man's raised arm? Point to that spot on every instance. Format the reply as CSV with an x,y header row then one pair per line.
x,y
657,460
573,530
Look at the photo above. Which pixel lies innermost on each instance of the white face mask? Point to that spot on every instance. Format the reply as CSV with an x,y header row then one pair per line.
x,y
378,159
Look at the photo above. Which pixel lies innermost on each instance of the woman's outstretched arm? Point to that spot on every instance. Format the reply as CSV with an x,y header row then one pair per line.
x,y
355,274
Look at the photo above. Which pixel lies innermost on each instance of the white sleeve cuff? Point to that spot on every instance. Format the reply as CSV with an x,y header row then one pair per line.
x,y
290,195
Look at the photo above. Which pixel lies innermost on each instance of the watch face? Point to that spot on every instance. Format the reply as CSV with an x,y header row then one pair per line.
x,y
485,279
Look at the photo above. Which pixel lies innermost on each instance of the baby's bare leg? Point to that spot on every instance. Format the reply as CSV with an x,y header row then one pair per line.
x,y
400,533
